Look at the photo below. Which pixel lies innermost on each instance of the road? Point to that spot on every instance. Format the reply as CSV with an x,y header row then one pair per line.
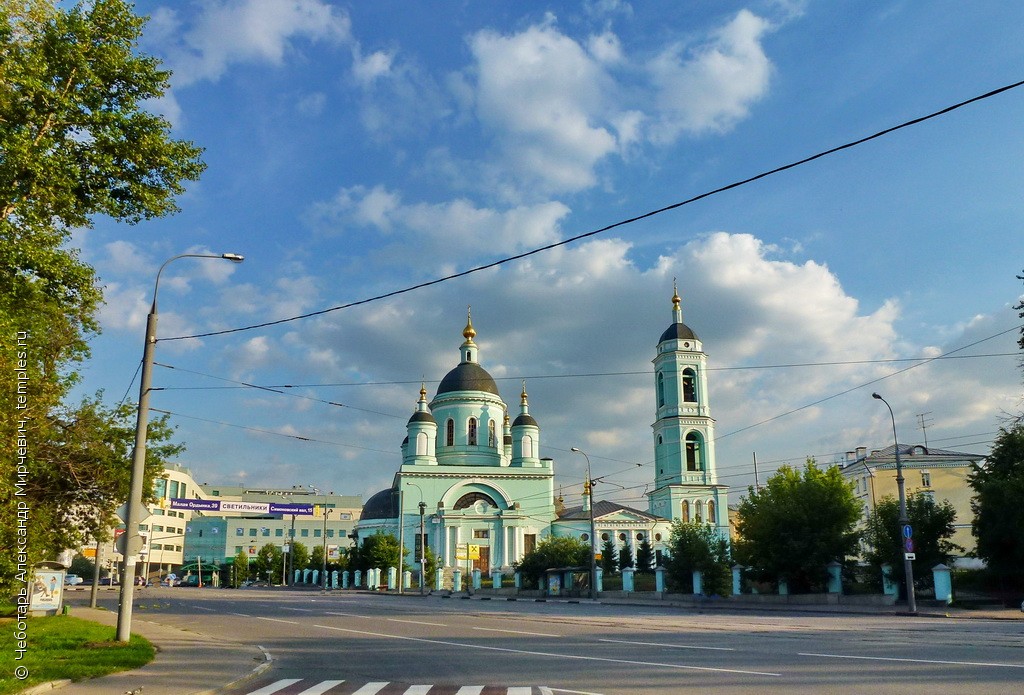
x,y
339,643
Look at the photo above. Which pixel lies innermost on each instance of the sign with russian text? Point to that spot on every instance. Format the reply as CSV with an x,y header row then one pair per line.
x,y
241,507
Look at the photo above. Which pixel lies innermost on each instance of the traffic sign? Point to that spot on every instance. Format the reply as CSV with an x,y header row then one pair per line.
x,y
909,556
908,545
907,531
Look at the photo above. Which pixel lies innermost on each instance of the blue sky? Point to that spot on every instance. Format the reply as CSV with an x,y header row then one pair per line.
x,y
356,149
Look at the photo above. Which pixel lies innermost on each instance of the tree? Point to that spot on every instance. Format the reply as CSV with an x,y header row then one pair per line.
x,y
300,557
796,524
625,557
645,557
378,551
268,563
316,558
75,142
696,546
563,551
933,524
609,561
241,567
998,508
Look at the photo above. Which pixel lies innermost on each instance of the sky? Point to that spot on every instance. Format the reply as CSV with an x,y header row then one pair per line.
x,y
356,150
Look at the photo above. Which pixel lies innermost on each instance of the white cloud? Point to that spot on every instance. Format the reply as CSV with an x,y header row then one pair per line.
x,y
229,32
543,97
369,68
711,86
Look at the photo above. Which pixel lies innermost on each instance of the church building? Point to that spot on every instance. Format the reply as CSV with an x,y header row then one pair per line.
x,y
472,474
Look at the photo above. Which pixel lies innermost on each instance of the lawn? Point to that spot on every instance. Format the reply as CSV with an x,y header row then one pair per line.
x,y
64,647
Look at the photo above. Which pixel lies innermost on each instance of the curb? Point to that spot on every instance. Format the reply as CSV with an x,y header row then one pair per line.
x,y
268,661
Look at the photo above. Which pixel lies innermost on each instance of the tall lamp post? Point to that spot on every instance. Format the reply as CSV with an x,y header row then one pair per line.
x,y
422,540
132,539
904,521
589,491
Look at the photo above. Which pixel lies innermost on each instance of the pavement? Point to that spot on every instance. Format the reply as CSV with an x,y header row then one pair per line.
x,y
191,663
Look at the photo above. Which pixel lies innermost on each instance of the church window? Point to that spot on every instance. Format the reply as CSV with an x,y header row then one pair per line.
x,y
698,509
622,537
689,386
694,455
661,389
471,498
584,537
926,479
529,543
527,446
660,440
471,438
421,444
712,519
604,536
685,511
657,536
449,435
481,533
492,439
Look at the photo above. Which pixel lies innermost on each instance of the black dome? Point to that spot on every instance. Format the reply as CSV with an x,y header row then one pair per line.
x,y
420,416
383,505
524,420
678,331
468,376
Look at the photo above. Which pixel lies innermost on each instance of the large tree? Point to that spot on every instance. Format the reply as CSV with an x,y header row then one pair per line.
x,y
561,551
934,524
696,546
998,506
796,524
76,142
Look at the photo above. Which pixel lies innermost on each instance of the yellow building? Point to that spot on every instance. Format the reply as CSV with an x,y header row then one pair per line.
x,y
940,474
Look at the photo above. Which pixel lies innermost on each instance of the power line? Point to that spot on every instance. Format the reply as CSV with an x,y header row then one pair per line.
x,y
614,225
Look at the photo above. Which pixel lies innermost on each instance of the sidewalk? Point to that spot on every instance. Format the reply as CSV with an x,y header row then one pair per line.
x,y
186,663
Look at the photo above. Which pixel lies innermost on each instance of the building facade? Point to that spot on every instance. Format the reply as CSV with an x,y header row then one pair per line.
x,y
937,473
474,478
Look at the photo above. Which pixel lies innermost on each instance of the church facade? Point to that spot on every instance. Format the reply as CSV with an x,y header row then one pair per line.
x,y
473,477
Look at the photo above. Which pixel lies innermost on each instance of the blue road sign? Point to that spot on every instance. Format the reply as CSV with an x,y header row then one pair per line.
x,y
907,531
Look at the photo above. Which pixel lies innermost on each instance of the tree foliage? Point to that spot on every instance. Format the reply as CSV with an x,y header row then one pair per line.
x,y
998,508
625,557
563,551
75,143
696,546
933,524
609,558
796,524
645,557
378,551
241,569
267,565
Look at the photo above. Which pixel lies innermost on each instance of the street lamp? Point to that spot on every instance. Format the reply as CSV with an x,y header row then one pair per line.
x,y
904,521
422,540
132,539
589,491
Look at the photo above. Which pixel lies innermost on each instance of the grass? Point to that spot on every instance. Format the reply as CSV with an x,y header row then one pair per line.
x,y
61,647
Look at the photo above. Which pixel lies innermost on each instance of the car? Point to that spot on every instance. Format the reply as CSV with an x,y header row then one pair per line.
x,y
72,579
108,581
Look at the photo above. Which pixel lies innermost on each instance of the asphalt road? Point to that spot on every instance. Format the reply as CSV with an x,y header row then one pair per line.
x,y
593,648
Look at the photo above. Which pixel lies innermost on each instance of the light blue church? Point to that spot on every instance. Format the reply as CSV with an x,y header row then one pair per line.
x,y
473,478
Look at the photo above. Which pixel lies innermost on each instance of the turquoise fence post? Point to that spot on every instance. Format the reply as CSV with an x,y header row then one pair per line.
x,y
943,584
457,580
345,579
517,580
476,578
316,577
835,577
438,579
783,587
496,578
406,579
889,586
627,579
659,579
358,578
698,582
737,580
600,580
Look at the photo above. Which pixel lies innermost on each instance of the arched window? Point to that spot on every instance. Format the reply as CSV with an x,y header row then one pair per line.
x,y
492,438
471,436
421,444
471,498
661,389
689,386
694,455
449,433
712,518
684,512
527,446
698,509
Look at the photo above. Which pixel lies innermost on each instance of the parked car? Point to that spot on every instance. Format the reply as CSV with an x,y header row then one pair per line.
x,y
108,581
72,579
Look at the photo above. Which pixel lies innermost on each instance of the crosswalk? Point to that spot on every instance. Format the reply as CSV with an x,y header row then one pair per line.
x,y
302,686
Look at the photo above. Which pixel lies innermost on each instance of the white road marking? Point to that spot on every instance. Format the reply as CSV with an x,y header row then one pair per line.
x,y
244,615
321,687
274,687
417,690
370,689
679,667
516,632
416,622
912,661
277,620
351,615
470,690
204,608
304,610
668,646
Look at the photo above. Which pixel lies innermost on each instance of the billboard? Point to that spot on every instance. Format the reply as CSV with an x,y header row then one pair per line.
x,y
242,507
